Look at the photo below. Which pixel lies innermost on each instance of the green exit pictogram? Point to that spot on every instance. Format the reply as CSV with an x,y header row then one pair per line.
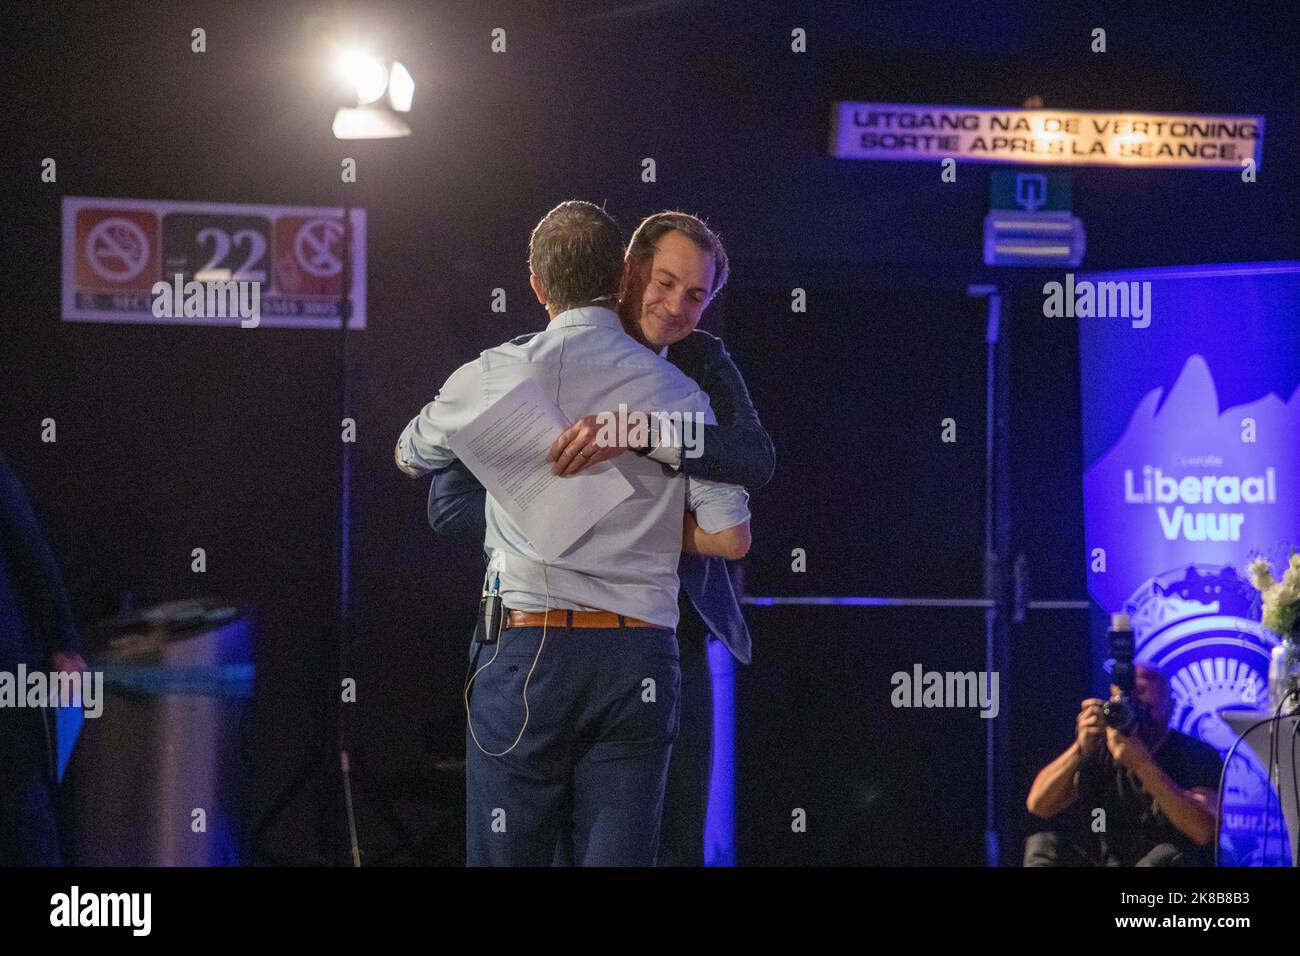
x,y
1030,191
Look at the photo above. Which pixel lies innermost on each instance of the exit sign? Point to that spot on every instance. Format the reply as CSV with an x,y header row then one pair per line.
x,y
1030,191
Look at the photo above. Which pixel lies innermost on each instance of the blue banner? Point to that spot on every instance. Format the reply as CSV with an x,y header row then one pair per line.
x,y
1191,435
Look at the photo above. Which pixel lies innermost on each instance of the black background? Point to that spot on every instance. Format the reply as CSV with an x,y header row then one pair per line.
x,y
171,438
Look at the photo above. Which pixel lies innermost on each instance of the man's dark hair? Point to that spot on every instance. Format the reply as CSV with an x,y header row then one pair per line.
x,y
653,228
576,252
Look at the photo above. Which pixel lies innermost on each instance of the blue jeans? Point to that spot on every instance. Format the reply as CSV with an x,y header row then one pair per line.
x,y
590,766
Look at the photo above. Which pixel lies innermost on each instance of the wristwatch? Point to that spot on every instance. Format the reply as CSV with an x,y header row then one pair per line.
x,y
652,438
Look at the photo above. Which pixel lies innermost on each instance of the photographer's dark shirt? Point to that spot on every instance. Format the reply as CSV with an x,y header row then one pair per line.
x,y
1134,824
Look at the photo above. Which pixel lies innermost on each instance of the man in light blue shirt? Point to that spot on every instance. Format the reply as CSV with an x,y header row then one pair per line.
x,y
572,715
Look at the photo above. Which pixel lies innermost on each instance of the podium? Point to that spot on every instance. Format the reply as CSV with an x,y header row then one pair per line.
x,y
1284,769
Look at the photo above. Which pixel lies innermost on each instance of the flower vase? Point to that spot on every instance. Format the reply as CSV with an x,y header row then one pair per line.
x,y
1284,676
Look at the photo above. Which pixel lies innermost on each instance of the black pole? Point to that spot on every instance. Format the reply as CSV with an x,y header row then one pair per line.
x,y
997,546
1004,606
345,537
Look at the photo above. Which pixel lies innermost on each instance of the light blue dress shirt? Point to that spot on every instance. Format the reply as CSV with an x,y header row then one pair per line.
x,y
626,563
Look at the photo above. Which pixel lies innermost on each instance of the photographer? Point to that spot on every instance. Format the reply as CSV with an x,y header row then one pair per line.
x,y
1157,787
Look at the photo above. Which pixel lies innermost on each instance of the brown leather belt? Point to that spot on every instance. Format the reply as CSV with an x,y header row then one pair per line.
x,y
565,618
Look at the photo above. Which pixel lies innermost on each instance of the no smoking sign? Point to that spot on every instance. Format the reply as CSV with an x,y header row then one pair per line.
x,y
116,250
309,254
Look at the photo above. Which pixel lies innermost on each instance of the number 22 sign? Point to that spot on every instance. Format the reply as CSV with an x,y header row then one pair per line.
x,y
114,250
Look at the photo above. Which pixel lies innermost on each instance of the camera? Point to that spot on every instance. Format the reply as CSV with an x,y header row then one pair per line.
x,y
1125,711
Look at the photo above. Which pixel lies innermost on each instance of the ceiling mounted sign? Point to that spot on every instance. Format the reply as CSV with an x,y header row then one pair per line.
x,y
975,134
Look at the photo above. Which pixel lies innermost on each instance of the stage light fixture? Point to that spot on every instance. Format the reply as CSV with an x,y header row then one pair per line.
x,y
374,115
368,123
363,74
401,88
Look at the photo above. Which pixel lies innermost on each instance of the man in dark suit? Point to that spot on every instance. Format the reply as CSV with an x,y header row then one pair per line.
x,y
38,632
661,312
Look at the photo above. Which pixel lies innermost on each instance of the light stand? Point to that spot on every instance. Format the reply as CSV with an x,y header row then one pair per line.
x,y
370,118
999,610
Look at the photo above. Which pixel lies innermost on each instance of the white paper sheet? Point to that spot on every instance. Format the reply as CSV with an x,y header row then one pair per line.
x,y
505,447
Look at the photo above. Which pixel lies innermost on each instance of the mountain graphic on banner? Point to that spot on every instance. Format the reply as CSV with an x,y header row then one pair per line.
x,y
1188,483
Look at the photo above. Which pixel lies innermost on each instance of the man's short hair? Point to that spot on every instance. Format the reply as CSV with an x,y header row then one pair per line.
x,y
1154,674
576,252
653,228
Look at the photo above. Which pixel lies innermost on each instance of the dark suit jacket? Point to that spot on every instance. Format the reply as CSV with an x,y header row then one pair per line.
x,y
35,617
736,450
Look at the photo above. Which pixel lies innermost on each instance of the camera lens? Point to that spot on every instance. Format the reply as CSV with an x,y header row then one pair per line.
x,y
1118,714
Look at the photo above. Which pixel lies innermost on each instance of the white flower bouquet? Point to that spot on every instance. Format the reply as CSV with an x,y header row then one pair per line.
x,y
1281,598
1281,601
